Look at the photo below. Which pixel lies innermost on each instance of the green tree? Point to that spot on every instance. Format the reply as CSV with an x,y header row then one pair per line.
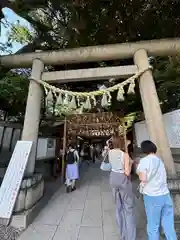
x,y
81,23
20,34
13,93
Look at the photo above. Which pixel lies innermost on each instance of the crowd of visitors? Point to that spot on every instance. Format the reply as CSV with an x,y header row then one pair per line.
x,y
153,185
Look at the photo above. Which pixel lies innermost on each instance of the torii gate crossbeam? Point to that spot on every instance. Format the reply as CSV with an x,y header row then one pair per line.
x,y
160,47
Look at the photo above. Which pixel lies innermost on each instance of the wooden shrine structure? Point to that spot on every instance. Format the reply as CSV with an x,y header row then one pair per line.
x,y
101,124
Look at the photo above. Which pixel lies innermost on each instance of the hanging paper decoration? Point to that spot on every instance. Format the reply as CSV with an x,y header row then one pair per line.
x,y
59,100
78,102
49,96
49,102
72,104
120,95
104,101
131,89
87,104
70,97
109,98
94,101
66,99
46,90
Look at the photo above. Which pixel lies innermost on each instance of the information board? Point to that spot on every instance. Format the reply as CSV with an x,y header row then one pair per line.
x,y
172,125
12,179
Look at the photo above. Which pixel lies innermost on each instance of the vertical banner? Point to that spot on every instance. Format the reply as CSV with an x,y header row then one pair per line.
x,y
12,179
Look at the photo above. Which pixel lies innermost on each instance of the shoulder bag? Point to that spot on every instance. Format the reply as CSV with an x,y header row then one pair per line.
x,y
105,165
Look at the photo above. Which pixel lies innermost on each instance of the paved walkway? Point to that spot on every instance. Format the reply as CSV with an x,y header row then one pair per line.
x,y
86,214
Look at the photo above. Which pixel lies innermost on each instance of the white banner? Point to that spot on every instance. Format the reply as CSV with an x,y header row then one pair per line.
x,y
13,178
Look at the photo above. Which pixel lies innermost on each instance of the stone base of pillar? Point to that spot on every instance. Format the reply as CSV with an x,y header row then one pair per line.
x,y
174,187
31,191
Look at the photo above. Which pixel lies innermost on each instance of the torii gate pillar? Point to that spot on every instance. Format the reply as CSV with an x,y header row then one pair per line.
x,y
152,111
32,115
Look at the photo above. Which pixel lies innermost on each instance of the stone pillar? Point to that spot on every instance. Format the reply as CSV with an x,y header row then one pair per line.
x,y
32,115
152,111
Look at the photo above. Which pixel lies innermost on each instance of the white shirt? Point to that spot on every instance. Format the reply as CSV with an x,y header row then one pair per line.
x,y
158,184
116,159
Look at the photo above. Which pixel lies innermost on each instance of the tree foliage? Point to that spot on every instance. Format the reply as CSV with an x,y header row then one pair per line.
x,y
13,93
71,23
74,23
167,76
19,34
90,22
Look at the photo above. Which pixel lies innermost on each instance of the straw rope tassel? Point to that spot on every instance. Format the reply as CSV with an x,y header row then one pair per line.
x,y
131,89
120,95
59,100
52,91
104,100
72,104
87,104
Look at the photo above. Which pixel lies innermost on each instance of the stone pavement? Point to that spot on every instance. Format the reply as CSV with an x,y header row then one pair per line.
x,y
86,214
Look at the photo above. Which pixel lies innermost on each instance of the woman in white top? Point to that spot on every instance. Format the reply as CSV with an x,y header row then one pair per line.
x,y
122,189
157,200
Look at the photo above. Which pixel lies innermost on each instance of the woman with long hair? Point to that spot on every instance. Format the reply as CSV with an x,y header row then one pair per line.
x,y
122,189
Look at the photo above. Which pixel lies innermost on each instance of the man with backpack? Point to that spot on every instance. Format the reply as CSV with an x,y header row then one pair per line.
x,y
72,168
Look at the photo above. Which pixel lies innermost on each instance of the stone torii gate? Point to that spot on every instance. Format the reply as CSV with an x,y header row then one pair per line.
x,y
138,50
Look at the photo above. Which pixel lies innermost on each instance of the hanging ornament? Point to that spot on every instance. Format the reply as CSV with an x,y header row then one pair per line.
x,y
49,96
120,95
131,89
49,100
78,101
66,99
94,100
87,104
104,100
59,100
72,104
109,98
46,90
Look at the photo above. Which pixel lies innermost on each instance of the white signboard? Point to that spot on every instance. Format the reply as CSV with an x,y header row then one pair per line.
x,y
12,179
46,148
172,125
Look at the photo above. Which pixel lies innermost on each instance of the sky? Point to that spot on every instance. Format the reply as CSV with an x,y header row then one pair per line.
x,y
11,17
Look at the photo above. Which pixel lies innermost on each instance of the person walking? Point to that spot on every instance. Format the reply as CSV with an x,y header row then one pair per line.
x,y
72,168
93,153
87,154
122,189
157,200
